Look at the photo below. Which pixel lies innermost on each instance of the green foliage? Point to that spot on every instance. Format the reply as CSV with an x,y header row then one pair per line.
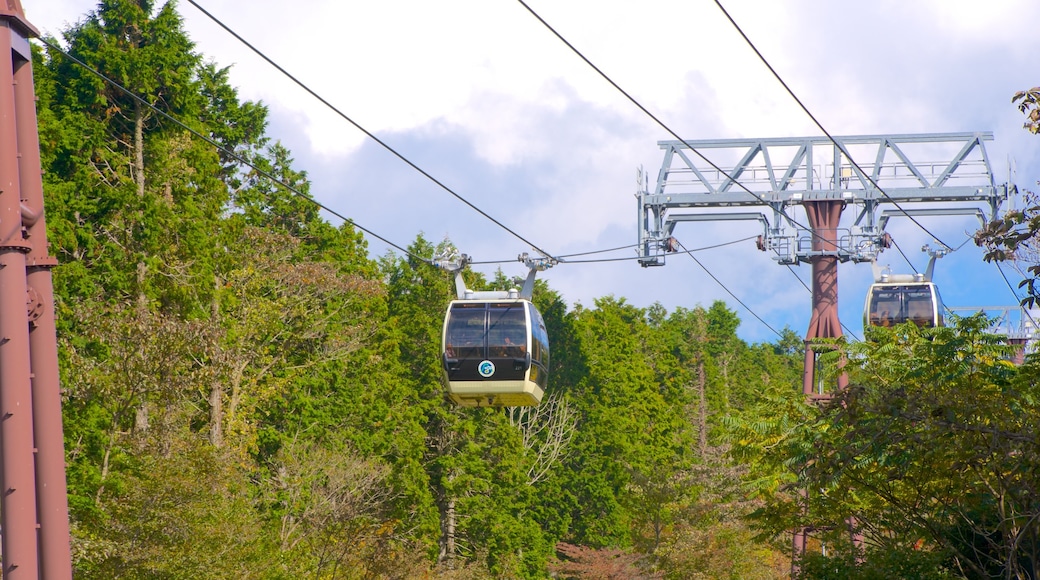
x,y
185,512
876,564
720,550
1029,105
248,394
932,445
1013,236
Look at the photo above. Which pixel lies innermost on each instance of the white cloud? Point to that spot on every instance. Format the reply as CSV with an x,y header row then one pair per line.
x,y
488,100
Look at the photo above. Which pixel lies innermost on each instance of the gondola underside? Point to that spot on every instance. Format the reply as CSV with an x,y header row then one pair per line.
x,y
495,393
511,384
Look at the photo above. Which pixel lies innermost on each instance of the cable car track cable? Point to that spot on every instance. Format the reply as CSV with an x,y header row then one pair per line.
x,y
712,247
1014,293
684,142
690,252
368,133
719,282
661,123
562,257
820,125
226,151
902,253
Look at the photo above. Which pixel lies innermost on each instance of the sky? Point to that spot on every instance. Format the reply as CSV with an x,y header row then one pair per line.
x,y
483,97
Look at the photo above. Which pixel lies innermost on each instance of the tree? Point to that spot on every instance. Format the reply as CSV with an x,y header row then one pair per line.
x,y
124,358
932,447
601,564
634,434
546,432
1014,236
1029,105
280,314
330,505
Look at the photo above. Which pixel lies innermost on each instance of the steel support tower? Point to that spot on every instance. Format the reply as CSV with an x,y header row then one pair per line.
x,y
34,519
918,175
948,172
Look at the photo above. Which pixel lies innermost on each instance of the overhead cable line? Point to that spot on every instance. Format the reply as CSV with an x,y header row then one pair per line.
x,y
567,261
684,142
685,251
806,286
712,247
723,244
562,258
808,289
968,238
719,282
1008,282
820,126
368,133
1015,293
902,253
948,250
661,123
625,259
227,151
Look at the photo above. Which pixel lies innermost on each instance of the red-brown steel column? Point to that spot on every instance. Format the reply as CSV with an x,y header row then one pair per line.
x,y
17,477
51,491
824,217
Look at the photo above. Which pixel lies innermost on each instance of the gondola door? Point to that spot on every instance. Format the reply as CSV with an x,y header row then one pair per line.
x,y
487,359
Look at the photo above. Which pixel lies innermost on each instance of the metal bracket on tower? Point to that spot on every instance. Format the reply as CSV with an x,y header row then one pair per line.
x,y
657,240
783,173
934,211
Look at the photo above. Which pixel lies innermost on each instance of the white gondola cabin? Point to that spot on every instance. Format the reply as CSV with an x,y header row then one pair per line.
x,y
897,298
495,348
891,303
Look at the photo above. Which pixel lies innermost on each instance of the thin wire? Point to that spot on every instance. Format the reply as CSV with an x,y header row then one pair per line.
x,y
722,244
1008,282
683,252
799,278
562,256
719,282
1014,293
226,151
820,125
492,262
368,133
563,261
967,238
660,122
901,253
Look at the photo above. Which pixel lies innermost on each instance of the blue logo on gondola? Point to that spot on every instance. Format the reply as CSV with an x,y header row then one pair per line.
x,y
486,369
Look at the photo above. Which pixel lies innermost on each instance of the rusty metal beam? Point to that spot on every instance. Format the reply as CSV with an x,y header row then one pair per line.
x,y
33,492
